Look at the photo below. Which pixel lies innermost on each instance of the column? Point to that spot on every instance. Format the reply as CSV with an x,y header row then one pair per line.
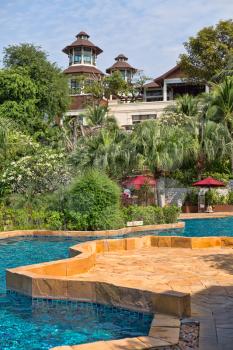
x,y
164,91
82,53
144,94
207,88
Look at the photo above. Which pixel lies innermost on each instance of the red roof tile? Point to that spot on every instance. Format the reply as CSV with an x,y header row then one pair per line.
x,y
152,84
121,65
82,43
169,73
82,34
83,69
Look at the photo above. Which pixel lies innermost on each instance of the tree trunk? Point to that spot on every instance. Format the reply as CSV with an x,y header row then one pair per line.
x,y
161,191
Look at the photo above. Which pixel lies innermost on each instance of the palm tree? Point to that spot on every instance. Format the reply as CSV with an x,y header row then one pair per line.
x,y
227,72
211,141
107,150
4,126
163,148
186,105
221,107
96,116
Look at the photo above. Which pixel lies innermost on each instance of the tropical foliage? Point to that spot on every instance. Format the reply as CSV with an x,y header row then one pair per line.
x,y
64,172
209,52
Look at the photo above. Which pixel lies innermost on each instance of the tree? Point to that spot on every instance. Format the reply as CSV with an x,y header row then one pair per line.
x,y
40,172
221,107
110,150
163,148
208,52
226,72
52,95
96,116
185,105
115,85
93,202
210,141
18,97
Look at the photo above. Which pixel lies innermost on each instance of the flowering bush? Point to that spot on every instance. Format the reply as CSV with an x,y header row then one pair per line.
x,y
42,172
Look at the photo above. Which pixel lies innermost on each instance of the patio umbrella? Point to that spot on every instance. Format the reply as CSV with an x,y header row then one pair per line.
x,y
138,181
209,182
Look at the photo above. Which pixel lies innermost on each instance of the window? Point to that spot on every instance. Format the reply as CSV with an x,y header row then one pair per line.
x,y
136,119
77,59
154,95
122,73
70,59
77,56
87,55
87,59
75,87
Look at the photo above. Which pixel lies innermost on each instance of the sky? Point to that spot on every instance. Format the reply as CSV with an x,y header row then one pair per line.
x,y
150,33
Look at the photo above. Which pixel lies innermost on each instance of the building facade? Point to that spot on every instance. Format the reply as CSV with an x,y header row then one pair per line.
x,y
157,95
171,84
82,54
121,65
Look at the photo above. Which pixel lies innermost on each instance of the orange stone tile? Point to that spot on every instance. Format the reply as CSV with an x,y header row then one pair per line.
x,y
164,241
100,345
115,244
154,241
81,290
49,288
206,242
151,342
126,344
181,242
227,242
80,264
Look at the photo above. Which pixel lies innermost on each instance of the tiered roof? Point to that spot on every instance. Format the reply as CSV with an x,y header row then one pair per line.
x,y
82,41
121,63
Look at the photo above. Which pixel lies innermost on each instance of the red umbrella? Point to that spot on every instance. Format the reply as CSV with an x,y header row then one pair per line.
x,y
209,182
138,181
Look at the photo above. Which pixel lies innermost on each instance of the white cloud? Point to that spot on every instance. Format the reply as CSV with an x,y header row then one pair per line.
x,y
149,32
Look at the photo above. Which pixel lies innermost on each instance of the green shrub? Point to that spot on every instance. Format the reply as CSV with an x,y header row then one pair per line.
x,y
96,199
171,214
230,198
145,214
212,197
151,215
75,221
17,219
192,197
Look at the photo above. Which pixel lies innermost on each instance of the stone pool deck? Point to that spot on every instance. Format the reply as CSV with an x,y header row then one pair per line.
x,y
205,215
204,273
152,273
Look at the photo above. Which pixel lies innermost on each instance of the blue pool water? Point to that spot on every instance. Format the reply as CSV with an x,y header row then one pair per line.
x,y
208,227
42,324
198,228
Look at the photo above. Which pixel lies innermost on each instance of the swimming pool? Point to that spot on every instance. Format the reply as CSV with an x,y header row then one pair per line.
x,y
208,227
35,324
214,227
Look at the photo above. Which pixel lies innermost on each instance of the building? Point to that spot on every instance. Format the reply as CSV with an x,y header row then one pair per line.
x,y
121,65
157,94
169,85
82,55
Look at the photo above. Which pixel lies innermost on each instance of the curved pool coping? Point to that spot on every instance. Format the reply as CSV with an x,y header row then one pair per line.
x,y
102,233
55,279
58,279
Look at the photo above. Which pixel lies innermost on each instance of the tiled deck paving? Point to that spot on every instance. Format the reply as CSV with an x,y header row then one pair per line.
x,y
205,273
